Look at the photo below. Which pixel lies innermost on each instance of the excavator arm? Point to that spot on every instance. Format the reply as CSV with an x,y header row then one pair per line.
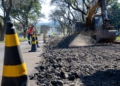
x,y
92,8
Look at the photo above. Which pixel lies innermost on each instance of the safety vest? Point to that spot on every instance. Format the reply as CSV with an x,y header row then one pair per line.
x,y
30,30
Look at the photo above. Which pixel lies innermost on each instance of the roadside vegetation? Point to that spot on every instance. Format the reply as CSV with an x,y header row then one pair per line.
x,y
22,39
118,38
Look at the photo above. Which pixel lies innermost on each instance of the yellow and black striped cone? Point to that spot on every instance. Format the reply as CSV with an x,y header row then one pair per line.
x,y
37,41
33,46
14,68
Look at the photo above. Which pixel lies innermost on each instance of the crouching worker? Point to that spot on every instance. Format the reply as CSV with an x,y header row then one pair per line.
x,y
30,32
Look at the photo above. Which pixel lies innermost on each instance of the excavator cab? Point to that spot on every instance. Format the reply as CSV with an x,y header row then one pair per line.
x,y
97,21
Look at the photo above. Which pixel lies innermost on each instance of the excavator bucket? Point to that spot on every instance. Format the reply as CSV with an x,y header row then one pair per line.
x,y
105,36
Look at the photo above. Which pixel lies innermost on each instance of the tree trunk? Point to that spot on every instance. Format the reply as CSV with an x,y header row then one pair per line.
x,y
70,30
24,31
83,10
83,17
2,35
64,31
25,27
2,31
6,19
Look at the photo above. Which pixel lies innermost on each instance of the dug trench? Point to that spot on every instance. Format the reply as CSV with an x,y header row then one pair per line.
x,y
92,65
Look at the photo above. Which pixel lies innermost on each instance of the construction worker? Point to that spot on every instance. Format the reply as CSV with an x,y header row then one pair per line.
x,y
44,38
30,32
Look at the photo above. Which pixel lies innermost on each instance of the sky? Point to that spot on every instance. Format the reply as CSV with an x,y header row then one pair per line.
x,y
46,10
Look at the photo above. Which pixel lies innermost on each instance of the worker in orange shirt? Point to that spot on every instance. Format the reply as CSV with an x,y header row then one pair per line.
x,y
30,32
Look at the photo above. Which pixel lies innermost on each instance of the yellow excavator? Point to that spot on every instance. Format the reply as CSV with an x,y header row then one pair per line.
x,y
97,25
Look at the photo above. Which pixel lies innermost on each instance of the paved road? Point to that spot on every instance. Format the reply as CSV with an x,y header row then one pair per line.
x,y
2,46
22,46
1,51
30,58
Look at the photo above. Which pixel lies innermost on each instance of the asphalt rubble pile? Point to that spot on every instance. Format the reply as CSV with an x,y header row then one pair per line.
x,y
79,66
70,41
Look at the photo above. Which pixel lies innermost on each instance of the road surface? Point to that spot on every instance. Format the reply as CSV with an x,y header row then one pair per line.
x,y
30,58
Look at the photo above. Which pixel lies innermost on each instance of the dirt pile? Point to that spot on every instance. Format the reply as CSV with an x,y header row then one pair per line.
x,y
81,40
83,66
75,40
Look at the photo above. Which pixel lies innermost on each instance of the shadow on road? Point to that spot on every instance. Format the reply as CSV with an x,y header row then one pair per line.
x,y
31,52
102,78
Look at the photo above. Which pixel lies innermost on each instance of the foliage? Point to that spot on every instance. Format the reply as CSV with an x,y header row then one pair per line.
x,y
35,13
1,42
114,12
2,22
59,29
70,11
118,38
26,11
22,39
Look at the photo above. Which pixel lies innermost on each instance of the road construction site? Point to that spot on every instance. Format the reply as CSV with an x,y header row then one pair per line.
x,y
74,60
87,54
78,61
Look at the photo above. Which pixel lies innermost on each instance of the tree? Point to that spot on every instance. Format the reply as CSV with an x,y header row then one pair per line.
x,y
27,12
73,10
22,10
6,6
64,15
81,6
114,16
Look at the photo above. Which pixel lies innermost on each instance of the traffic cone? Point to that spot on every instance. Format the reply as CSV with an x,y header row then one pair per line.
x,y
37,41
14,68
33,46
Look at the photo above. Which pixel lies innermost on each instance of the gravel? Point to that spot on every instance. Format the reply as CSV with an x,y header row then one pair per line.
x,y
92,65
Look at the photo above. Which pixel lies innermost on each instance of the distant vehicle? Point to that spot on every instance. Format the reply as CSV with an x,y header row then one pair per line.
x,y
117,33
